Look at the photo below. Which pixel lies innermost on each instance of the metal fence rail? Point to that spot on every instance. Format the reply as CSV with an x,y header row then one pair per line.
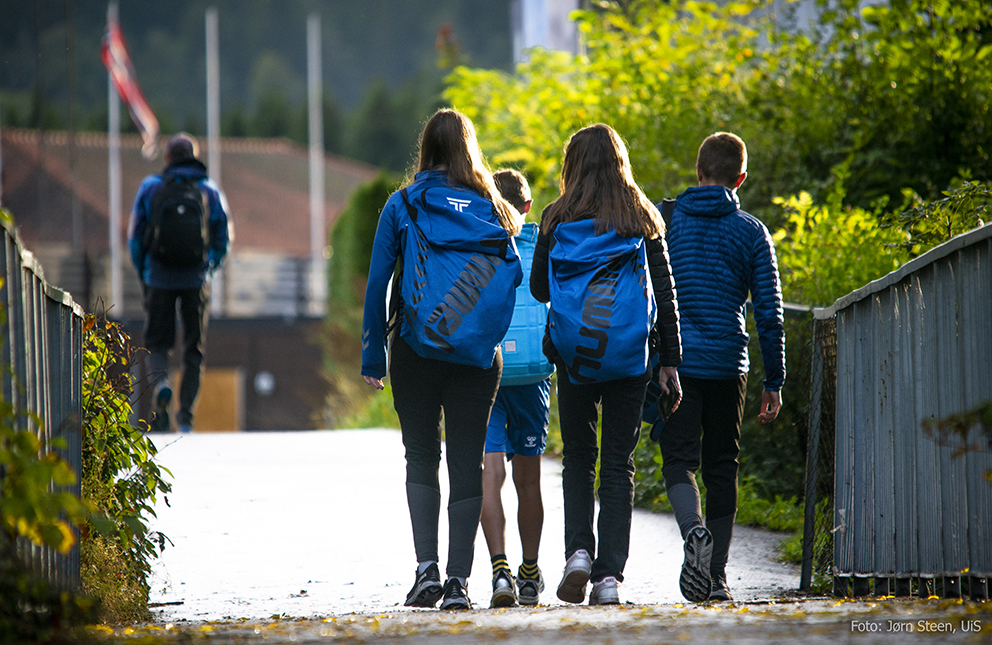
x,y
41,340
912,510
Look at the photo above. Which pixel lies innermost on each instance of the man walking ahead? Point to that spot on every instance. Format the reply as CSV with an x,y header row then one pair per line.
x,y
719,255
180,233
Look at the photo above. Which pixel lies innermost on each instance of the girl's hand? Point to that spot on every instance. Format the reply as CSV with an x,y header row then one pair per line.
x,y
374,382
671,374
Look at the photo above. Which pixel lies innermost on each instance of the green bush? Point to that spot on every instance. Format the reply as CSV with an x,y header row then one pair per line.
x,y
351,241
120,479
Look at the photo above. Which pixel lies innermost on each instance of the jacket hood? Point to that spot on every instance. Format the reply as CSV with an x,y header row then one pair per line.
x,y
454,216
191,168
578,243
708,201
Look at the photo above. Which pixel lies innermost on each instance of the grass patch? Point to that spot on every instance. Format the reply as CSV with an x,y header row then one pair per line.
x,y
106,573
376,412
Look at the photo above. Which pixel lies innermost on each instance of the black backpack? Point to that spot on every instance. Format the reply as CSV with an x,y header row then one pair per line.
x,y
177,229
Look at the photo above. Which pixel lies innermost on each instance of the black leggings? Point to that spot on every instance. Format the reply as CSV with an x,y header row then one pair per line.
x,y
422,388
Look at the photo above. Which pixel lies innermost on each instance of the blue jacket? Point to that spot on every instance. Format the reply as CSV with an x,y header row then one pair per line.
x,y
719,255
153,273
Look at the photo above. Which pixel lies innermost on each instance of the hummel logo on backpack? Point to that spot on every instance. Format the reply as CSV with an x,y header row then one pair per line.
x,y
602,302
177,229
459,204
459,277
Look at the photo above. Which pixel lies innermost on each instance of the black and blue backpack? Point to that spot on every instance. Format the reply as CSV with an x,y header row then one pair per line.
x,y
524,362
177,233
602,302
460,273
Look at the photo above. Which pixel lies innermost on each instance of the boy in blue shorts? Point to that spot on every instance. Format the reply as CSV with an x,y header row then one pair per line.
x,y
518,425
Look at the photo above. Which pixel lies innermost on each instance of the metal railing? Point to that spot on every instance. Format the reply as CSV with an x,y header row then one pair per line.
x,y
41,349
911,506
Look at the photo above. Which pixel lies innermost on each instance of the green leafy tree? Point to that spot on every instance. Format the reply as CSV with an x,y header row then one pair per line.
x,y
664,75
350,401
964,206
352,239
234,123
271,118
811,274
899,91
385,128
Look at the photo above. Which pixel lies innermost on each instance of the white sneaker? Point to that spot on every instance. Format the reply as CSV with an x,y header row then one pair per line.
x,y
572,587
604,592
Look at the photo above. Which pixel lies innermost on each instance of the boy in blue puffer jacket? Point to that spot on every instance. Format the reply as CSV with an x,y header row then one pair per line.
x,y
719,255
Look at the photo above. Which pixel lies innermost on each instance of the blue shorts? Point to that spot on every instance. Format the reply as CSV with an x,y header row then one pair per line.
x,y
518,424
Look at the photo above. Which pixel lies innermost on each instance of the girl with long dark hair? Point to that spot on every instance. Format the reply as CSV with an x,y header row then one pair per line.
x,y
601,208
428,379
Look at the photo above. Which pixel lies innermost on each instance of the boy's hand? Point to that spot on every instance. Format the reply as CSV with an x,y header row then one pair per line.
x,y
771,403
671,374
374,382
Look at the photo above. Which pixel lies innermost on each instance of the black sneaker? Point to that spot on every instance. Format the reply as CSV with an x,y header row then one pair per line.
x,y
455,596
160,415
695,581
504,590
720,591
529,589
426,589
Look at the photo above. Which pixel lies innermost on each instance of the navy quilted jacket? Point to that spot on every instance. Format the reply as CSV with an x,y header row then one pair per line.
x,y
720,254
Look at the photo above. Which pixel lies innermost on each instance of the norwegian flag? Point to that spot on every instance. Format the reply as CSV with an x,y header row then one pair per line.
x,y
118,62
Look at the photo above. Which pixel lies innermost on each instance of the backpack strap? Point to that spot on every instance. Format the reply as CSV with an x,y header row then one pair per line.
x,y
667,210
410,209
394,317
155,213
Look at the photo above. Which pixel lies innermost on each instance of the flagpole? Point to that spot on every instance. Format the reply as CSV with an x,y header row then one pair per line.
x,y
213,139
318,227
114,172
213,96
1,161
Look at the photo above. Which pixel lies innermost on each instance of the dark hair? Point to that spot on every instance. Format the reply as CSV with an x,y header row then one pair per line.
x,y
722,158
449,141
513,186
181,146
597,182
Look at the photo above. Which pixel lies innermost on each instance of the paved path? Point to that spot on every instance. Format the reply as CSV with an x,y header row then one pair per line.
x,y
315,524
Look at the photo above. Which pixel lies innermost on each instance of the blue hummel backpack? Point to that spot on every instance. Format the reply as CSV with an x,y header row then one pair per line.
x,y
523,359
602,302
460,273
